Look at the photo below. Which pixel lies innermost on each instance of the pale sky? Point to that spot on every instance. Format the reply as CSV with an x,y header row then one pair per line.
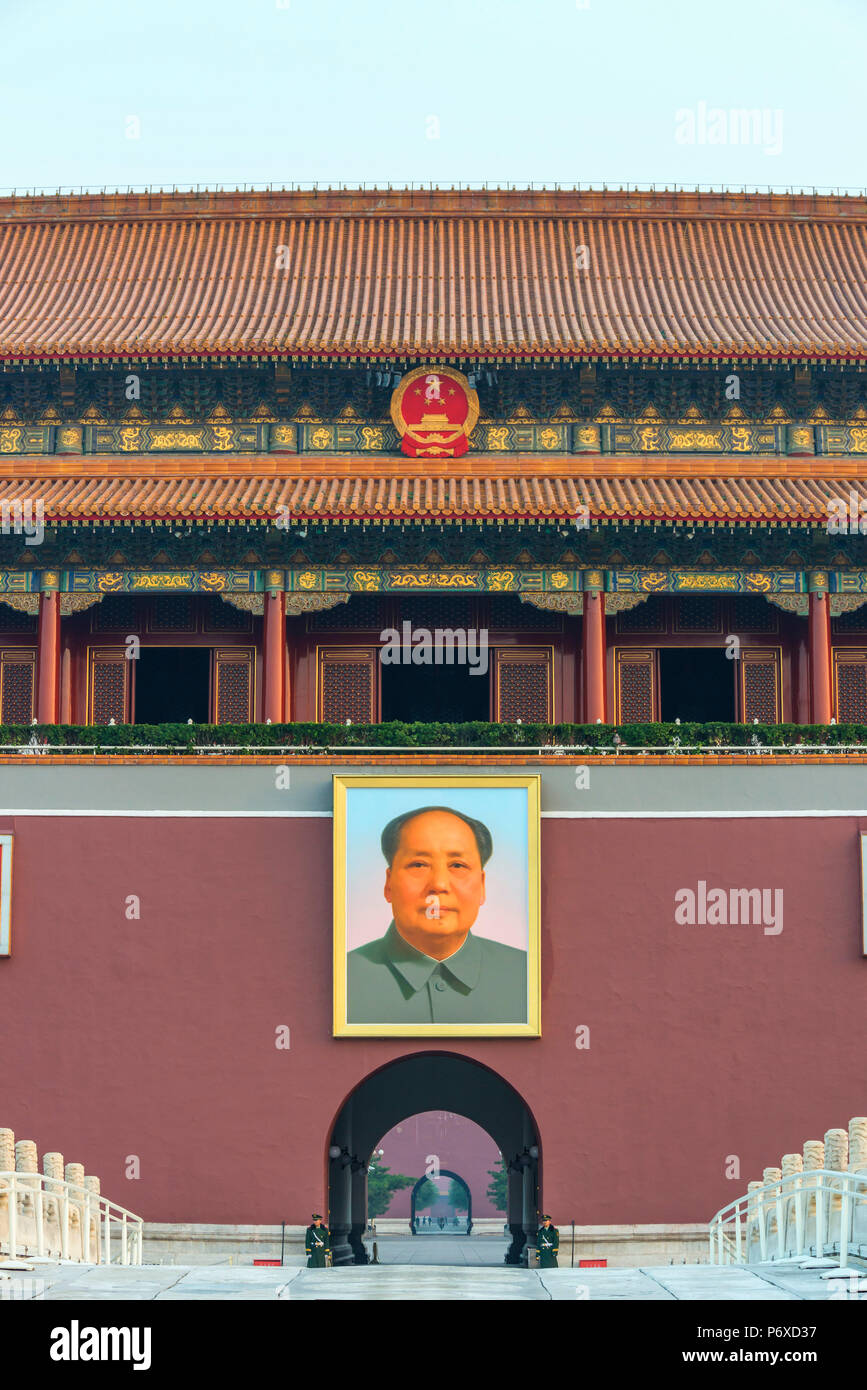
x,y
179,92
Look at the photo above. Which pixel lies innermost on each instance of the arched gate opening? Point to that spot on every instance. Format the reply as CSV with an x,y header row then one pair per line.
x,y
429,1081
443,1173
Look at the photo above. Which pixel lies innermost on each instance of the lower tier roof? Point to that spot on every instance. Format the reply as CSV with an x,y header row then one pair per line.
x,y
345,490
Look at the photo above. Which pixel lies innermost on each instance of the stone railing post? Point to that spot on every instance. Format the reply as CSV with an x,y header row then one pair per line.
x,y
771,1175
837,1158
26,1161
754,1215
7,1164
52,1167
92,1185
858,1151
74,1173
792,1165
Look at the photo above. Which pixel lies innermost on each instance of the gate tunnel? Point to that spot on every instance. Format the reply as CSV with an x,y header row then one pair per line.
x,y
408,1086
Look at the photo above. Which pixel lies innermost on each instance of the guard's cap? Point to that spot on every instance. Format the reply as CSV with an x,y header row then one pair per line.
x,y
317,1216
545,1216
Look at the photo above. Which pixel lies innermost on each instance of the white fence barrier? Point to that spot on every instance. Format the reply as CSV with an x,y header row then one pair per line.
x,y
809,1214
50,1217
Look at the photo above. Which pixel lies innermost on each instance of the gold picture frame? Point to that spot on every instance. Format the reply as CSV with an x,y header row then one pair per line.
x,y
497,961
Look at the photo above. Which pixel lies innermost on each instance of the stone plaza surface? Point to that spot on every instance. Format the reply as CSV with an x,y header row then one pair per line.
x,y
445,1274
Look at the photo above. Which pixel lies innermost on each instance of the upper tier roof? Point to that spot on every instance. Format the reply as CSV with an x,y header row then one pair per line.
x,y
409,275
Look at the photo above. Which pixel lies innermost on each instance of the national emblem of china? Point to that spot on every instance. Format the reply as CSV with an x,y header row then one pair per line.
x,y
434,412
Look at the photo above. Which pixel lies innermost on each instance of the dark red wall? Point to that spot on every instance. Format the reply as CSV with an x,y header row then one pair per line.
x,y
156,1037
459,1145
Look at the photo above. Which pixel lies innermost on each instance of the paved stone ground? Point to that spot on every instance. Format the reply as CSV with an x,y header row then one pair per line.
x,y
442,1250
427,1281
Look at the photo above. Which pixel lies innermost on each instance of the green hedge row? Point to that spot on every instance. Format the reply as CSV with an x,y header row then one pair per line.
x,y
602,736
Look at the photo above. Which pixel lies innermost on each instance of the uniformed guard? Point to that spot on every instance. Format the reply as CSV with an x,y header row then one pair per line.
x,y
548,1242
318,1243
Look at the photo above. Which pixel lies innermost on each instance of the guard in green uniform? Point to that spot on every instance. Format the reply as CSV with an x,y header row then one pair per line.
x,y
317,1242
548,1242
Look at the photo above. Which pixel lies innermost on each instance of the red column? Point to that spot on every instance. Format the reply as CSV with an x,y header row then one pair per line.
x,y
288,692
821,694
66,683
593,656
801,671
48,658
274,655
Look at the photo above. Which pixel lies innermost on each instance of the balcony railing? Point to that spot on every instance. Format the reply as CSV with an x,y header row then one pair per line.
x,y
567,740
803,1215
50,1217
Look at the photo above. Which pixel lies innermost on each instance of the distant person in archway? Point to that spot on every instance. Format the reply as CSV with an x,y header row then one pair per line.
x,y
548,1242
430,967
317,1243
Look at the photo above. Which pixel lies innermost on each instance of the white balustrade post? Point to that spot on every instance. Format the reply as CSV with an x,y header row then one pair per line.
x,y
92,1185
13,1215
792,1169
64,1224
814,1161
845,1209
85,1229
75,1176
858,1163
40,1223
771,1201
52,1167
754,1217
124,1250
7,1164
836,1157
26,1161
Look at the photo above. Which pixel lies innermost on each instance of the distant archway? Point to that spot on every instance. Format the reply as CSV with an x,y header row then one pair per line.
x,y
443,1173
407,1086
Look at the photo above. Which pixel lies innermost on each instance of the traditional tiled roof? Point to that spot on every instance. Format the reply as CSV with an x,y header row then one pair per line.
x,y
534,490
413,275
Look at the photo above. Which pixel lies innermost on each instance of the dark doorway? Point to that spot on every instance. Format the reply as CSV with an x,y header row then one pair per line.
x,y
434,694
172,685
696,684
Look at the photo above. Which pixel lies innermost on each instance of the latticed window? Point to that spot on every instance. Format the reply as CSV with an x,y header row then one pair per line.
x,y
523,687
12,620
437,610
117,613
648,616
855,621
363,612
751,613
347,685
108,687
760,687
173,613
507,612
850,670
636,684
224,617
697,613
17,686
233,682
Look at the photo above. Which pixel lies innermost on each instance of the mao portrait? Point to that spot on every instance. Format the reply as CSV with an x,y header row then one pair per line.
x,y
436,905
